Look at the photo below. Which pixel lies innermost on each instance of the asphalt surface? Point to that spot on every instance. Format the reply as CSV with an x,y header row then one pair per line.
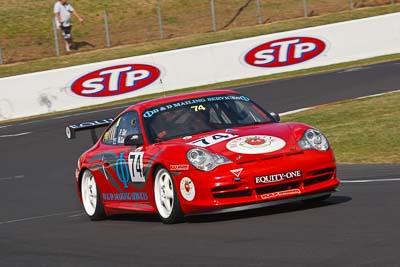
x,y
42,222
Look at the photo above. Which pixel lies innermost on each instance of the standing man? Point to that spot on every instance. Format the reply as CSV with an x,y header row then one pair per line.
x,y
62,11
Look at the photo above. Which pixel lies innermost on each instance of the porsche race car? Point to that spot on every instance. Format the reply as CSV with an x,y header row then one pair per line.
x,y
201,153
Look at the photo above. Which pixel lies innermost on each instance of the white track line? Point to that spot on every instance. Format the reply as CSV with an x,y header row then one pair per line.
x,y
354,69
76,215
12,178
370,180
38,217
294,111
313,107
71,115
14,135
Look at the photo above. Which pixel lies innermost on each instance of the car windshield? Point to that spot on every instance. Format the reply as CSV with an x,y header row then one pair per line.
x,y
199,115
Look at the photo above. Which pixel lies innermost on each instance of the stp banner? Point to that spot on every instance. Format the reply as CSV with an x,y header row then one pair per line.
x,y
91,84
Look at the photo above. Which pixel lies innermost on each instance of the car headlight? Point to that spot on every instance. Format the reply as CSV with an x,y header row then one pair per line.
x,y
204,160
313,139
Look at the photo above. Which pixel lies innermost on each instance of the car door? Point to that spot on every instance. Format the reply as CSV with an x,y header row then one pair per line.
x,y
125,169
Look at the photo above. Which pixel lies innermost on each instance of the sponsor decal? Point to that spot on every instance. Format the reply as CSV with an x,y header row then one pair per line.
x,y
198,108
272,178
237,172
285,52
115,80
131,171
131,196
135,163
212,139
122,170
255,144
91,124
286,193
179,167
150,113
118,172
187,189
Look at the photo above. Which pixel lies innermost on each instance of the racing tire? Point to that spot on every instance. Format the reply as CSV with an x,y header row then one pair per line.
x,y
91,200
166,197
316,199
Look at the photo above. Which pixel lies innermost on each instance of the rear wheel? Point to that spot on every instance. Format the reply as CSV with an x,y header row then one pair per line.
x,y
166,197
317,199
91,200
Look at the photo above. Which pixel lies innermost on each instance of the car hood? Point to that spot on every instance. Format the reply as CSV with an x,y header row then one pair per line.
x,y
244,143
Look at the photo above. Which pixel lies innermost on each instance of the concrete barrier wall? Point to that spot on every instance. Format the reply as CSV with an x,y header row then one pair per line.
x,y
85,85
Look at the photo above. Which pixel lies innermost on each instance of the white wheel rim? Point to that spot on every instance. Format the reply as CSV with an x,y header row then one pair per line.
x,y
89,193
164,193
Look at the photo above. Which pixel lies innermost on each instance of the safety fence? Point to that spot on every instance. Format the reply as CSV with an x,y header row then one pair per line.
x,y
31,33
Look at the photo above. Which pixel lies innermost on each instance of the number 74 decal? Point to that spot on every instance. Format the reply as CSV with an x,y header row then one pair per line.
x,y
135,163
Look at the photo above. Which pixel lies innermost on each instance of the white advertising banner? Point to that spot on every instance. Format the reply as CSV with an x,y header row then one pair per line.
x,y
85,85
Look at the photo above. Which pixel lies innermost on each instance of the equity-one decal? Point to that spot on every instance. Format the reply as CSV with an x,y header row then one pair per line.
x,y
272,178
115,80
285,52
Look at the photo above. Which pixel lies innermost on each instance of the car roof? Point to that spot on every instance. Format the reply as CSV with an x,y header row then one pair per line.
x,y
179,97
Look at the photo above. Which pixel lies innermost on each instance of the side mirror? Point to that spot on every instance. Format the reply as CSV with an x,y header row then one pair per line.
x,y
276,116
134,140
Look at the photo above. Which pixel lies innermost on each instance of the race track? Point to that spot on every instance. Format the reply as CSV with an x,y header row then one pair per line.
x,y
42,222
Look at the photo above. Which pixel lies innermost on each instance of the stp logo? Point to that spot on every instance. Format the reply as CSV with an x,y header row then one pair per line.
x,y
115,80
285,52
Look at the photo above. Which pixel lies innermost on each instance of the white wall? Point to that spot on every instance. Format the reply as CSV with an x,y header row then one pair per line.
x,y
48,91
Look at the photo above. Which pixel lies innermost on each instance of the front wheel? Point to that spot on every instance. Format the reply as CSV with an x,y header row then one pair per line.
x,y
166,197
91,197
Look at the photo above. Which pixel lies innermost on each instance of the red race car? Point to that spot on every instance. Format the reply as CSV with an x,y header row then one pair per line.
x,y
201,153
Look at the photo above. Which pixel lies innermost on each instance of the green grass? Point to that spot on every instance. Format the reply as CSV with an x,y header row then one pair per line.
x,y
360,131
188,41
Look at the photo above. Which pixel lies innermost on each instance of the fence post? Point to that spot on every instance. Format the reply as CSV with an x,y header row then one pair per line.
x,y
160,22
259,15
107,29
214,24
56,45
351,4
305,8
1,56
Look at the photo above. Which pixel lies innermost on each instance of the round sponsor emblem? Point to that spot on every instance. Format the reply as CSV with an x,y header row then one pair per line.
x,y
187,189
255,144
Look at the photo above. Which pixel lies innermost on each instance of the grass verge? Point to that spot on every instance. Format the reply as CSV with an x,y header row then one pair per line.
x,y
191,40
361,130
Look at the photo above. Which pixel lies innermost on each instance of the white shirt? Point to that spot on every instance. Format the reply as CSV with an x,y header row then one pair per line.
x,y
65,13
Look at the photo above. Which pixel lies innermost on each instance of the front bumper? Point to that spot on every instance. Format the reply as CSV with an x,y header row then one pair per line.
x,y
222,190
269,203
